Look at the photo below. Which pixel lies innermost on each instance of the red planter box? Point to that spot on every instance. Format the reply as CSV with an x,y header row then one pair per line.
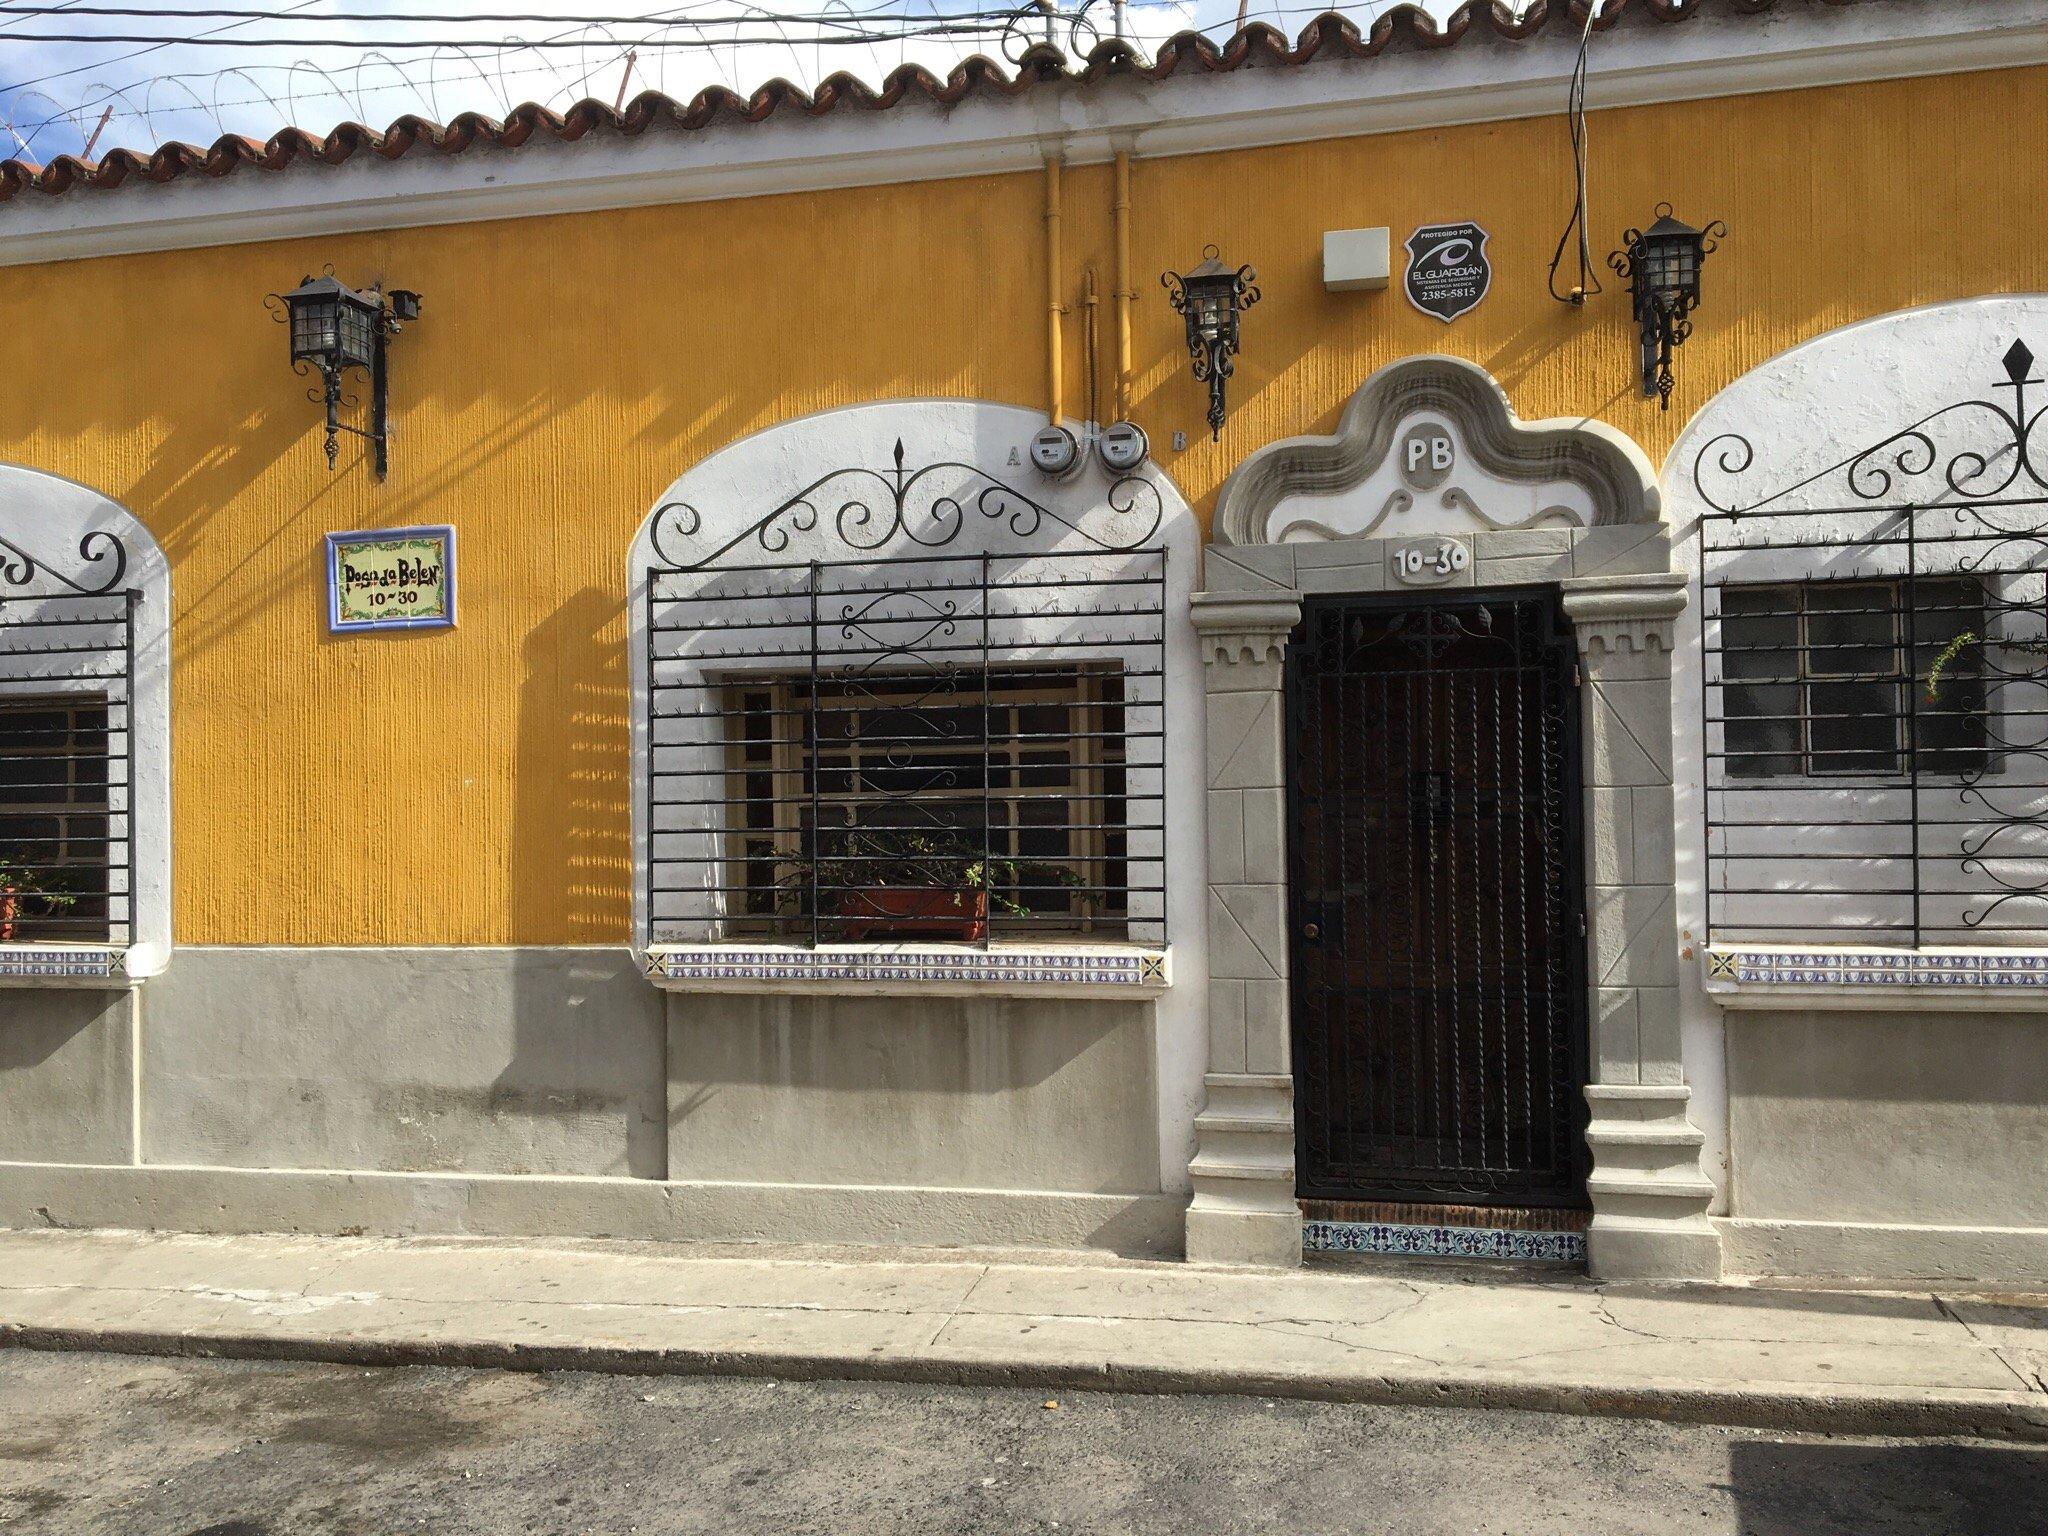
x,y
914,912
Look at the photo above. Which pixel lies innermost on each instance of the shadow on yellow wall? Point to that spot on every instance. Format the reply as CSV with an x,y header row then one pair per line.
x,y
469,786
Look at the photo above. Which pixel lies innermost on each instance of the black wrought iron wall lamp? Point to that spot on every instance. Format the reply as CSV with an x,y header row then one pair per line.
x,y
335,328
1662,265
1210,299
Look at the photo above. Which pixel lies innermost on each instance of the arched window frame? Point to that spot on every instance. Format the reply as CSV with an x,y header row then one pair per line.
x,y
1913,883
954,477
86,590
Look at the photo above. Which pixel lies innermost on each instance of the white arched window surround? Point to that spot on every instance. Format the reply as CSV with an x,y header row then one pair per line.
x,y
85,609
830,489
1900,453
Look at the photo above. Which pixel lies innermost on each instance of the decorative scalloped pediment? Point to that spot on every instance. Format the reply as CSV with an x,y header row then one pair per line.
x,y
1430,445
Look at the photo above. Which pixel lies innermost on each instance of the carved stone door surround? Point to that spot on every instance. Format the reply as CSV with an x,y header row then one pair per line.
x,y
1431,482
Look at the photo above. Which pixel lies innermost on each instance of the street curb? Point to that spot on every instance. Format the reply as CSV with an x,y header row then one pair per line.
x,y
1980,1414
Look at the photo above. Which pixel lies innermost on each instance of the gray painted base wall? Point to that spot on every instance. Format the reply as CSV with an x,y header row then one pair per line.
x,y
555,1092
549,1093
994,1093
1888,1144
534,1205
427,1060
67,1067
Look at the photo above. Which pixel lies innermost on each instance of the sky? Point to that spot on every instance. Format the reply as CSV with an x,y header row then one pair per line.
x,y
334,60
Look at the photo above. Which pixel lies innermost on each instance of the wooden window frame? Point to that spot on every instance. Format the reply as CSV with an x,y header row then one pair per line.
x,y
1095,759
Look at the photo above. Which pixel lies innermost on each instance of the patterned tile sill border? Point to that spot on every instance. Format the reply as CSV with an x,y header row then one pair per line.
x,y
1876,968
26,964
1135,972
1392,1238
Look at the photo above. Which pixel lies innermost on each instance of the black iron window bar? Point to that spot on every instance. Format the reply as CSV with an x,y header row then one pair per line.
x,y
67,682
1875,708
908,760
904,742
893,749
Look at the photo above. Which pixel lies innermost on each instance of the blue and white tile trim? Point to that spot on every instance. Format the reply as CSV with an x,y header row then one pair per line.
x,y
32,963
1393,1238
909,968
1732,969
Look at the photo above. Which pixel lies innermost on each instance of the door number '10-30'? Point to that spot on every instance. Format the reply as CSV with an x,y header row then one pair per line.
x,y
1425,562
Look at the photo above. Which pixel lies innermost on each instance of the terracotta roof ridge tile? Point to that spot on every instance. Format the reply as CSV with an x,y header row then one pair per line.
x,y
1330,35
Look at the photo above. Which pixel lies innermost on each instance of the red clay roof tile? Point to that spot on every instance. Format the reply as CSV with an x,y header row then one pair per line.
x,y
1330,35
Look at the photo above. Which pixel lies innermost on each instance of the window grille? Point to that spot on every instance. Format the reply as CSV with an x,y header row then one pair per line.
x,y
66,840
1817,678
963,746
1875,685
1003,799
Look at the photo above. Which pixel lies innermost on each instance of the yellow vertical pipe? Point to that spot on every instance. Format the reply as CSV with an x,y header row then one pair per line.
x,y
1091,346
1125,294
1054,365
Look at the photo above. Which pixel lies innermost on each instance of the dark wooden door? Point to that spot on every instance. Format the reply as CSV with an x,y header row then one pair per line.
x,y
1438,978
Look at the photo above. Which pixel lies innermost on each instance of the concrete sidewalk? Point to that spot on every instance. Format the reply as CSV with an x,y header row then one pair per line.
x,y
1847,1361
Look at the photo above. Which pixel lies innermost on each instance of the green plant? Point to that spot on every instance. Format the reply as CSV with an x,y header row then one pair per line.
x,y
22,883
18,877
1955,648
865,859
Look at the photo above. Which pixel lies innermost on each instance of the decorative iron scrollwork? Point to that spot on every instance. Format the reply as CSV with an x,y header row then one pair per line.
x,y
1210,300
1940,529
101,551
1923,456
1662,267
910,510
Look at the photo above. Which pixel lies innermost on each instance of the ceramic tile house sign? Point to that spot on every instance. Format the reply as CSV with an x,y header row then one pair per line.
x,y
397,578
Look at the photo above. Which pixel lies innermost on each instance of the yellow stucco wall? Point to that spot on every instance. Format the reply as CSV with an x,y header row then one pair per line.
x,y
469,787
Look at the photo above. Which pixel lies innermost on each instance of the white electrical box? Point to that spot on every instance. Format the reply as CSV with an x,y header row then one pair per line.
x,y
1354,258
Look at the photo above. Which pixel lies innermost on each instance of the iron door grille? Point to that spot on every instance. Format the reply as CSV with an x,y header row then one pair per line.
x,y
1437,967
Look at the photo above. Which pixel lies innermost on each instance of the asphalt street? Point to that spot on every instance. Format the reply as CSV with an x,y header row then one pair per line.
x,y
142,1447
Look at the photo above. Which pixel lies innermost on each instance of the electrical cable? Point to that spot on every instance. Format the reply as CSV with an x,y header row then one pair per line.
x,y
487,59
427,92
68,4
510,44
22,85
1575,116
642,18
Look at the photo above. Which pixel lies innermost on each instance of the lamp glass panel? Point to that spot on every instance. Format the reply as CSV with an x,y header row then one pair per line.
x,y
1660,270
357,334
1672,267
315,329
1685,267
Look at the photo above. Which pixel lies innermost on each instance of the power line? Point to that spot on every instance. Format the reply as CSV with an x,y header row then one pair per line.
x,y
509,45
463,49
68,4
642,18
403,82
463,67
464,56
80,69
